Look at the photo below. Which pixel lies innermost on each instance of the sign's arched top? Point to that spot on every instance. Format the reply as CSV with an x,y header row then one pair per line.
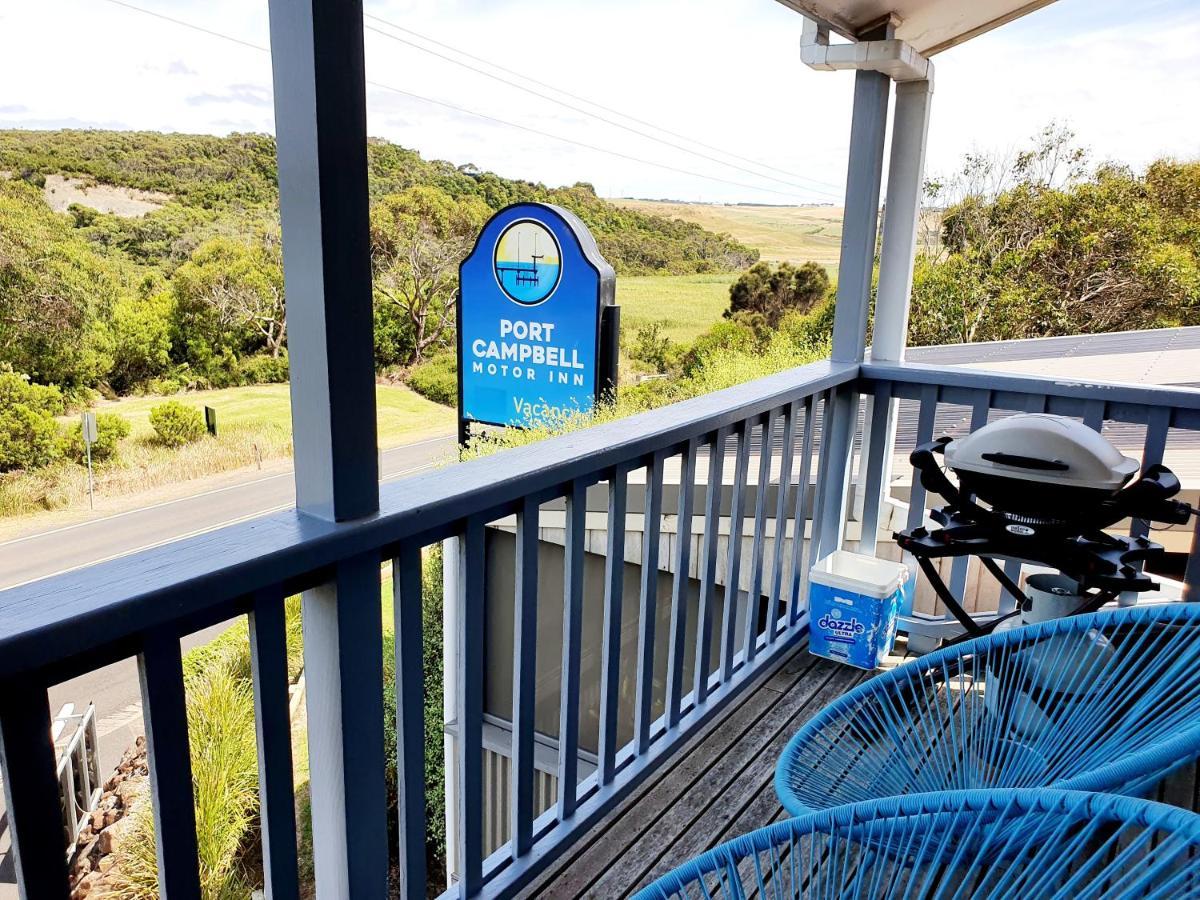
x,y
533,295
527,261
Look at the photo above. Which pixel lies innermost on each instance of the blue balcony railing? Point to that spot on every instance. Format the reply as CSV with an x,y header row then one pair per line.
x,y
143,604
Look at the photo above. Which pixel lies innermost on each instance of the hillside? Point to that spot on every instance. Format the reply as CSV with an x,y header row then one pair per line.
x,y
793,234
215,185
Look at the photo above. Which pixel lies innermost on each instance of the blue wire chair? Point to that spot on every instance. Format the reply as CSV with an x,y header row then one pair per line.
x,y
1103,702
1000,844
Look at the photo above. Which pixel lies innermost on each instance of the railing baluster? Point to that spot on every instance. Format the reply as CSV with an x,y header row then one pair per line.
x,y
837,462
1093,414
31,792
471,584
568,718
925,422
1158,425
960,568
799,576
407,600
916,496
781,495
524,676
614,591
164,703
733,571
343,664
760,524
273,727
679,591
644,695
878,450
1034,403
708,575
816,547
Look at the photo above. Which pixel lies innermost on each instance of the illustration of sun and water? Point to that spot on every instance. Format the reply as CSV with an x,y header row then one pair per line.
x,y
527,262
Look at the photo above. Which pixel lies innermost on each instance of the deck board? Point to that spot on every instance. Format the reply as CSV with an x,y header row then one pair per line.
x,y
720,785
748,801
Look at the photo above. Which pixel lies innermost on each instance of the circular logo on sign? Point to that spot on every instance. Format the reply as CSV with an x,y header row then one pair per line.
x,y
528,262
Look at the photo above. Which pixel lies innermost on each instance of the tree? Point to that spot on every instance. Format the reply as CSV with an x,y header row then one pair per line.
x,y
229,302
141,329
56,294
774,291
418,238
1059,251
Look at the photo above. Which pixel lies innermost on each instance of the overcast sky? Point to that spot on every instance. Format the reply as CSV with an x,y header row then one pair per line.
x,y
1125,76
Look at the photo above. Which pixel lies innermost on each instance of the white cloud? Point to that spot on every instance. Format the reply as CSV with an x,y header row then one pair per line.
x,y
724,71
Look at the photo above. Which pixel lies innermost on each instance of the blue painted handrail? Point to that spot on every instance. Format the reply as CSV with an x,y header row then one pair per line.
x,y
1103,702
958,844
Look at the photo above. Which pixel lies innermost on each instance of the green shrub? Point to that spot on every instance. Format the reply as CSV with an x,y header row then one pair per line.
x,y
436,379
176,424
651,346
29,436
262,368
111,429
737,334
774,291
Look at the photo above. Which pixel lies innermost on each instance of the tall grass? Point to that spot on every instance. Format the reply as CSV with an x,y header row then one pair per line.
x,y
224,756
143,464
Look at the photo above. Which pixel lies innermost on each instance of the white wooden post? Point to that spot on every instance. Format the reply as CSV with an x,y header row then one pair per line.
x,y
859,228
906,173
320,122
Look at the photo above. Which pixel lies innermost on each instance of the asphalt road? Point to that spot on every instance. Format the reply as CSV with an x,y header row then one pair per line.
x,y
114,689
37,555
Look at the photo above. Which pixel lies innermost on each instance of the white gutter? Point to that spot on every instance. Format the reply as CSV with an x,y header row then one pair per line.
x,y
894,58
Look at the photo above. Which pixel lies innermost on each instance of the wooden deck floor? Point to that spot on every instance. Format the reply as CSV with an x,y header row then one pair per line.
x,y
719,785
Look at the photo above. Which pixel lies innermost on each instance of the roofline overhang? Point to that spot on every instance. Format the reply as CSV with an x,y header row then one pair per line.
x,y
815,10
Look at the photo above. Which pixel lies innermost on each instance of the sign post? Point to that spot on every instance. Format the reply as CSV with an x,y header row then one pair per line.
x,y
537,321
89,432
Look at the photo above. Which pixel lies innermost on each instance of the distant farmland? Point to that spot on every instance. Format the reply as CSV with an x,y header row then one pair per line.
x,y
793,233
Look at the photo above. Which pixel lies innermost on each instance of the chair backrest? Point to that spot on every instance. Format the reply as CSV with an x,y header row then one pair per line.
x,y
1003,843
1108,701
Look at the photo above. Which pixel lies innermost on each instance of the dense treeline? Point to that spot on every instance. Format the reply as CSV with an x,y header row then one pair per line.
x,y
1039,245
191,294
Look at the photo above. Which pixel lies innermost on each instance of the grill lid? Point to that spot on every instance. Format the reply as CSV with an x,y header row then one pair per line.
x,y
1043,448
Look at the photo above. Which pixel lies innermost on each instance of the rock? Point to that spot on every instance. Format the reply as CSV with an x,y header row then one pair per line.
x,y
97,820
110,840
106,863
83,860
84,888
128,789
110,816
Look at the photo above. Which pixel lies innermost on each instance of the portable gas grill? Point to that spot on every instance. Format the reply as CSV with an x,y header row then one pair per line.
x,y
1041,489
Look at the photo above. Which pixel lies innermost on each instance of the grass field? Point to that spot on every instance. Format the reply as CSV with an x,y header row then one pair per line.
x,y
254,427
403,415
688,304
792,233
